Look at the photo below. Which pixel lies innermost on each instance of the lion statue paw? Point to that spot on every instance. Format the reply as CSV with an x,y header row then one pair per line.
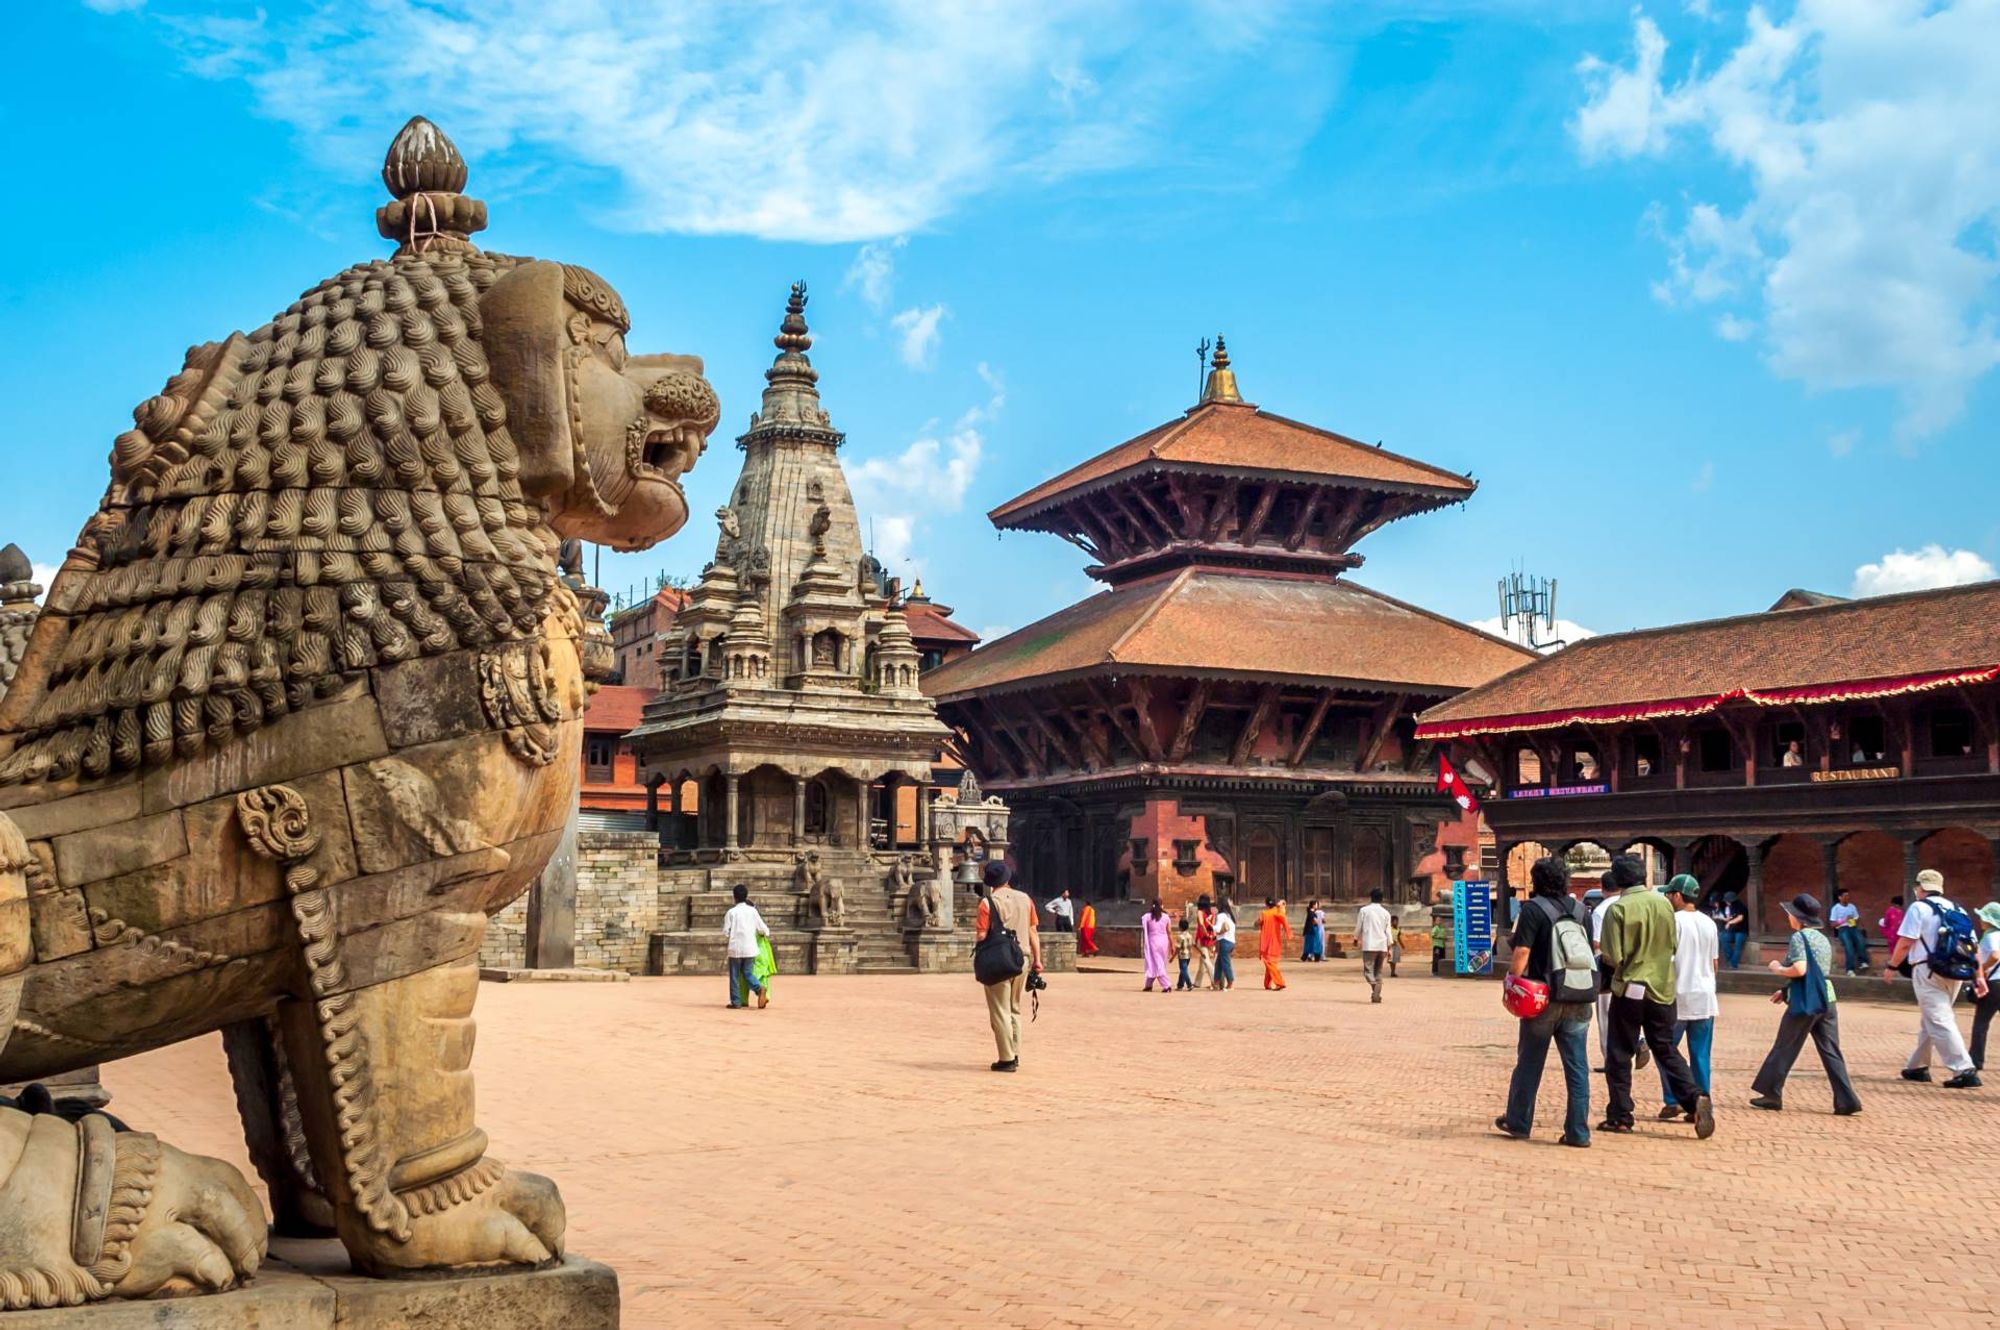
x,y
89,1212
487,1215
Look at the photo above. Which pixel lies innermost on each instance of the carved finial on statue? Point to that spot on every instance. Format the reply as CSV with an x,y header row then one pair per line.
x,y
426,174
1221,379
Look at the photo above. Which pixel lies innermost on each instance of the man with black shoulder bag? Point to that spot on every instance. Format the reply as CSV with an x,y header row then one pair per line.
x,y
1008,951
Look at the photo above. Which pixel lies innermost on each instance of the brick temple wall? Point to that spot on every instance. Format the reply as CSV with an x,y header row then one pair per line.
x,y
506,944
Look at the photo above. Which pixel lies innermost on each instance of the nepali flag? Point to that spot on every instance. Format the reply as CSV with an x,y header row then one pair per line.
x,y
1451,783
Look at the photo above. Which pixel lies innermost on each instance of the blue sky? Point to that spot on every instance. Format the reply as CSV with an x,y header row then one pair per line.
x,y
1704,297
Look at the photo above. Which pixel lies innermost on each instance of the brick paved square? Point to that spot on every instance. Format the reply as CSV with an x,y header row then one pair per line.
x,y
1248,1159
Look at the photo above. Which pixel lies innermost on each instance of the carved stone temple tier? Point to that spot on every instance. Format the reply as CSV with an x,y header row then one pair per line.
x,y
301,710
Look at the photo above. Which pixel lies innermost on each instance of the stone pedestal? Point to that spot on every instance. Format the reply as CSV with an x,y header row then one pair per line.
x,y
835,951
307,1286
939,951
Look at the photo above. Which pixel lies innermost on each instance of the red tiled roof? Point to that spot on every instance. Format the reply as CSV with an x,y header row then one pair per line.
x,y
616,707
1239,437
928,625
1240,623
1874,647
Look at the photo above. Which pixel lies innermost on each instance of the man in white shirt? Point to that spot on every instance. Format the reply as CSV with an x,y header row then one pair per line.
x,y
1697,956
1063,911
1937,1028
1371,934
743,926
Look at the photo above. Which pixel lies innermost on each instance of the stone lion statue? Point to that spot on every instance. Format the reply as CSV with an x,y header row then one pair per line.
x,y
301,711
824,900
923,906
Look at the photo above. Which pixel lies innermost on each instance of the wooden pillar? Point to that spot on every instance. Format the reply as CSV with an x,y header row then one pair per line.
x,y
1753,892
653,806
1829,857
798,810
1910,869
729,785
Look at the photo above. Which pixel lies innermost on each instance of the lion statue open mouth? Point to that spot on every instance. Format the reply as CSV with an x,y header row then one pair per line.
x,y
301,711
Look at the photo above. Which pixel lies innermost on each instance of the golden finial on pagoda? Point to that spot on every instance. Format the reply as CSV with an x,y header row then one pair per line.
x,y
1221,379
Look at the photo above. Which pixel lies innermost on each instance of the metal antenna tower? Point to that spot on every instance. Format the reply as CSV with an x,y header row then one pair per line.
x,y
1528,610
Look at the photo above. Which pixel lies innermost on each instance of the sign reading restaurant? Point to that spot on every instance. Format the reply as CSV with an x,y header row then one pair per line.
x,y
1857,773
1556,791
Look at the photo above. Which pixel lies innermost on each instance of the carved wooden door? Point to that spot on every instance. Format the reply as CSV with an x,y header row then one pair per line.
x,y
1318,876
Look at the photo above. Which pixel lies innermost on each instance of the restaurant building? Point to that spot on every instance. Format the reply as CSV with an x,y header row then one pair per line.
x,y
1823,744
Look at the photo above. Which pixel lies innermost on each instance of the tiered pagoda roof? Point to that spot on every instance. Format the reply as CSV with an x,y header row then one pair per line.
x,y
1223,535
1229,483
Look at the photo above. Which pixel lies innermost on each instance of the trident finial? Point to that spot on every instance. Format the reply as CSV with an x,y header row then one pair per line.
x,y
1221,386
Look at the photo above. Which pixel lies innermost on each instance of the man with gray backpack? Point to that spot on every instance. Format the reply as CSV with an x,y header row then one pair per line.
x,y
1937,947
1554,963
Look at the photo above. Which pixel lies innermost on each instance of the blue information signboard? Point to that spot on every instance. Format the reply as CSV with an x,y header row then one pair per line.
x,y
1472,926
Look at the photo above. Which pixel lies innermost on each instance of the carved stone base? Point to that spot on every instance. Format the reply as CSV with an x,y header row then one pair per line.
x,y
835,951
939,952
306,1286
571,975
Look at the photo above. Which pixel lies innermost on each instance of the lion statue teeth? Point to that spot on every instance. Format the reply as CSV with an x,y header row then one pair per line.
x,y
301,710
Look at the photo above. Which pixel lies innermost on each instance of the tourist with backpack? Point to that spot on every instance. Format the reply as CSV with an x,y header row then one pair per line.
x,y
1697,956
1638,945
1935,946
1552,949
1008,950
1809,1012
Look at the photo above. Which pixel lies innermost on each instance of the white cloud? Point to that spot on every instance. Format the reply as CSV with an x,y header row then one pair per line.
x,y
1730,328
1868,134
897,494
873,272
1931,566
1842,443
1704,479
1566,631
112,6
824,122
918,330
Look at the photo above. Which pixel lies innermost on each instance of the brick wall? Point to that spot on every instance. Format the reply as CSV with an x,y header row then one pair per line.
x,y
617,899
506,944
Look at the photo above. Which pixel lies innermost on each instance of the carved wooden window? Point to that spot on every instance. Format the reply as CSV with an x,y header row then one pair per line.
x,y
1951,732
1714,750
1187,855
597,754
1647,758
1139,858
1527,767
1787,746
1867,741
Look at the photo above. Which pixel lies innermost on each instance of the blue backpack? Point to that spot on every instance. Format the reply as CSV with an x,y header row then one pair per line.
x,y
1956,955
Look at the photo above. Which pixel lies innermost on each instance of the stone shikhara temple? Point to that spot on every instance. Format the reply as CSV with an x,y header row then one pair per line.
x,y
791,712
1234,713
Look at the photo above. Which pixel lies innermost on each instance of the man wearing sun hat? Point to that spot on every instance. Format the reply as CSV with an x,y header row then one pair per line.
x,y
1986,985
1937,1027
1809,958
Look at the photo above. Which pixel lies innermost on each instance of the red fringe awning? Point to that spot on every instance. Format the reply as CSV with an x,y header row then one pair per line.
x,y
1859,690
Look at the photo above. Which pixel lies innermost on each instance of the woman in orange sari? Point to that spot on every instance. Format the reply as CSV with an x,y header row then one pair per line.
x,y
1086,931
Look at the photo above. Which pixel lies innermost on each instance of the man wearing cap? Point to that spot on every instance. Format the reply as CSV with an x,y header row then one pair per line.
x,y
1638,946
1697,955
1823,1025
1003,999
1937,1028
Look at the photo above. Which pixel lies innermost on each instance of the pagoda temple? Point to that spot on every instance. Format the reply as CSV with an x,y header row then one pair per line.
x,y
790,708
1233,712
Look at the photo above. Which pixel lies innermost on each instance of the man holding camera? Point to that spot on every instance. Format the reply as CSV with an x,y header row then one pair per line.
x,y
1003,999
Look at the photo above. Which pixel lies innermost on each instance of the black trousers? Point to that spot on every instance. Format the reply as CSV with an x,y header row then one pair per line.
x,y
1982,1016
1824,1027
1631,1020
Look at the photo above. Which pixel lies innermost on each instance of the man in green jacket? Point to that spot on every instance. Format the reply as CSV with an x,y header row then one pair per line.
x,y
1638,948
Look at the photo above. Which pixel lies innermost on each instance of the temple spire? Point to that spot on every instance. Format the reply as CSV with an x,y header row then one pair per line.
x,y
1221,379
791,385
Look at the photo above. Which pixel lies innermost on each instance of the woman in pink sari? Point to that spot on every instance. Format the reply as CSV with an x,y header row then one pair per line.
x,y
1155,941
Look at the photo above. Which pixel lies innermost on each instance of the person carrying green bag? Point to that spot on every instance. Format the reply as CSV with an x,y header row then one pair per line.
x,y
749,947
